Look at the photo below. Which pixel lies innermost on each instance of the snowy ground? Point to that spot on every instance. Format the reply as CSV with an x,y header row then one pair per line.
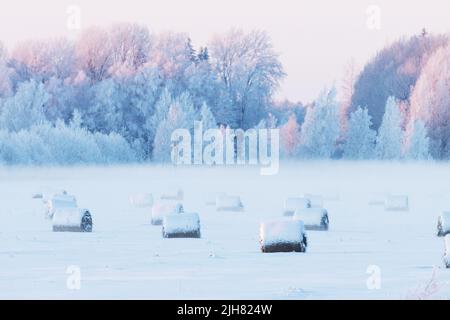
x,y
126,257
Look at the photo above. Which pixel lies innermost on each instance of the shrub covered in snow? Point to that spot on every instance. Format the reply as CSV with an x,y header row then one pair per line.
x,y
313,218
184,225
72,219
282,236
163,208
141,200
293,204
443,225
229,203
396,203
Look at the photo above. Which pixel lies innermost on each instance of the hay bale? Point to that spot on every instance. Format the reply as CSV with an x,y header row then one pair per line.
x,y
313,218
141,200
282,236
396,203
377,199
316,201
229,203
447,251
72,219
163,208
293,204
59,201
183,225
443,225
177,196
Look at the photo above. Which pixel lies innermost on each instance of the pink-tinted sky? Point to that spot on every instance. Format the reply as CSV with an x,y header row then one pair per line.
x,y
316,39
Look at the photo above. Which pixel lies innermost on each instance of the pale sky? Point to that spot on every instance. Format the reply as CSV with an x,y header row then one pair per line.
x,y
315,38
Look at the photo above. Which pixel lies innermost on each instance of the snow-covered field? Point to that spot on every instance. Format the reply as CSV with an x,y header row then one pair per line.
x,y
126,257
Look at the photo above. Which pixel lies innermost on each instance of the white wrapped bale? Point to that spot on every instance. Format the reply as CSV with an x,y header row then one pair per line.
x,y
316,201
177,196
163,208
184,225
313,218
447,251
443,225
293,204
141,200
377,199
396,203
229,203
72,219
282,236
59,201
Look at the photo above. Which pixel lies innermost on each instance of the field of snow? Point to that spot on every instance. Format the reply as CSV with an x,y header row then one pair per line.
x,y
126,257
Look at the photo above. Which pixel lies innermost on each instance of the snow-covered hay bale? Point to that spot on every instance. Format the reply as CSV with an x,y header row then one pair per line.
x,y
141,200
396,203
229,203
282,236
184,225
443,225
293,204
178,195
316,201
377,199
211,199
72,219
313,218
163,208
59,201
447,251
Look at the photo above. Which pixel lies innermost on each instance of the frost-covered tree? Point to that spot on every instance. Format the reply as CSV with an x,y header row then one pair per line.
x,y
360,138
320,129
207,118
430,102
417,142
25,108
289,137
390,134
175,119
249,70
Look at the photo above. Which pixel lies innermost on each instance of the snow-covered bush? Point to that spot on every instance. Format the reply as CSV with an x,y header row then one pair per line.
x,y
282,236
184,225
313,218
62,144
443,225
292,204
163,208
